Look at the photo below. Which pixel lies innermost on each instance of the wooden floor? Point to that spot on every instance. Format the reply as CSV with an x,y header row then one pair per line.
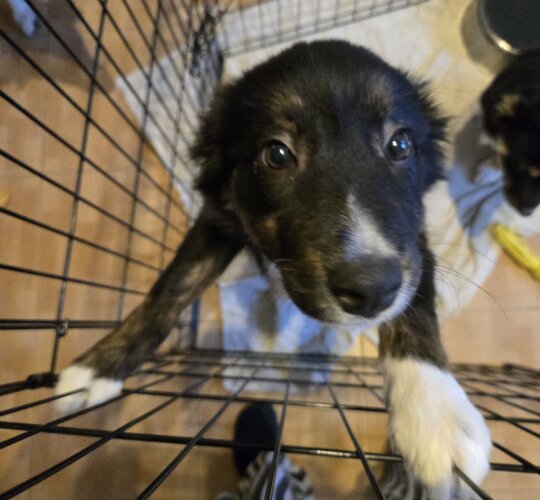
x,y
500,325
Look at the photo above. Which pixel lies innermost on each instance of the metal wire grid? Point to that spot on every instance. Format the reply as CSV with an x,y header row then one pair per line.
x,y
507,389
147,31
262,23
159,28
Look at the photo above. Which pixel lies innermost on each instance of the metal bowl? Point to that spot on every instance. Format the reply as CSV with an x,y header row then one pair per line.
x,y
513,27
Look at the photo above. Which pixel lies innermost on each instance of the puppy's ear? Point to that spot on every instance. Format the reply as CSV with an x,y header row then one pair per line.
x,y
210,147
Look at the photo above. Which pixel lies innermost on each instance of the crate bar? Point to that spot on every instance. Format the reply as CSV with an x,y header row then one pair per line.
x,y
86,201
223,32
192,9
141,67
270,485
274,401
303,357
503,399
529,466
357,446
174,152
78,108
41,427
312,404
51,324
133,211
272,379
95,284
123,77
167,471
529,384
479,491
278,364
74,150
81,65
319,26
370,388
319,368
78,239
38,381
77,192
164,75
25,485
208,41
506,419
126,44
70,52
501,384
66,96
29,483
223,443
99,169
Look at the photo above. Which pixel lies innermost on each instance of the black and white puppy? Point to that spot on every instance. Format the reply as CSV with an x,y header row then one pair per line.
x,y
511,115
317,160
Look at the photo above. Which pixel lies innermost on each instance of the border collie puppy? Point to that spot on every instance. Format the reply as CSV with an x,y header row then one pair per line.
x,y
317,161
511,113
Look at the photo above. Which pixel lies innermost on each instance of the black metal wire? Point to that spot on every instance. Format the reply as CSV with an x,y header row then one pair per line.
x,y
77,192
196,32
88,202
155,22
165,473
277,448
85,451
358,448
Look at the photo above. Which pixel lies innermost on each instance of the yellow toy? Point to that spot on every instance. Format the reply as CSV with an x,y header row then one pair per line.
x,y
517,249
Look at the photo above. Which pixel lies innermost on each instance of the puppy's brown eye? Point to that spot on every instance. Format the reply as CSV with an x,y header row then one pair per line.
x,y
278,156
400,146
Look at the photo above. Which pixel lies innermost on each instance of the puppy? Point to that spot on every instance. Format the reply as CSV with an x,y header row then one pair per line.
x,y
511,115
317,160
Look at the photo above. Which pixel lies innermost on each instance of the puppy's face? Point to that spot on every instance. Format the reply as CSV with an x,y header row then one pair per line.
x,y
324,153
513,123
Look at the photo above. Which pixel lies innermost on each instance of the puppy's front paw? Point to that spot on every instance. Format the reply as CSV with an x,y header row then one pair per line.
x,y
95,390
434,425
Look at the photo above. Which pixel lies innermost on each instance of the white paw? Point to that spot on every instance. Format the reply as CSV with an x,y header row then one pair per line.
x,y
434,425
96,390
25,17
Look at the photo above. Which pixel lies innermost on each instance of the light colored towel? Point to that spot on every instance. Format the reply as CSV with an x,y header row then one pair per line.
x,y
425,40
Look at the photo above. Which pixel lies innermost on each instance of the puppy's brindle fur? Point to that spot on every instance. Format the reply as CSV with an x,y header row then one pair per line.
x,y
334,105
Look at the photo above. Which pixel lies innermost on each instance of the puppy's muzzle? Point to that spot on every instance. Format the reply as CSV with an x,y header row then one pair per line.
x,y
524,204
366,286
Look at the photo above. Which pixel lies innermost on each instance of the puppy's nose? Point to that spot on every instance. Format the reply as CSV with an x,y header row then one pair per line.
x,y
525,205
525,209
366,286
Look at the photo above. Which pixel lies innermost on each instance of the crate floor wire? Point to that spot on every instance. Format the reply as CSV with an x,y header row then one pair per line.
x,y
86,228
507,396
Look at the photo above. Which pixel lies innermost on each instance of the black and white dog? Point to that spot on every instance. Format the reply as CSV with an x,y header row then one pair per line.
x,y
317,160
511,116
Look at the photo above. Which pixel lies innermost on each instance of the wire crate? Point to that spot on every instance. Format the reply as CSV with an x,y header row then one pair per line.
x,y
84,233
